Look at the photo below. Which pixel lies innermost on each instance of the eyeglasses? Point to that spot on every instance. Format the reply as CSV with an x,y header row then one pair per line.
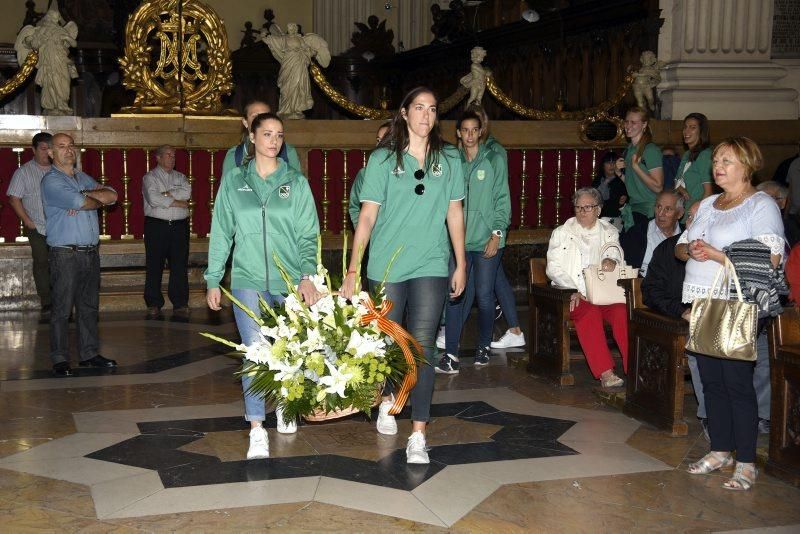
x,y
586,209
419,174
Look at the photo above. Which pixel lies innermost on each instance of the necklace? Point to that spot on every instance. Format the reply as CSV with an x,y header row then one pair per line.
x,y
727,203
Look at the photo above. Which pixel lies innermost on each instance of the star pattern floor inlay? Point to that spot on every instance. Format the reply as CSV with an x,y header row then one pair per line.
x,y
159,445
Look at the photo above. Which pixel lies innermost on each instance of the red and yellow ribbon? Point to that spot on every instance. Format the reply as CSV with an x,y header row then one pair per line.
x,y
403,339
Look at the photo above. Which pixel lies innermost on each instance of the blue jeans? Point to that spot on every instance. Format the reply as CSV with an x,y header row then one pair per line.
x,y
505,296
421,301
483,271
254,406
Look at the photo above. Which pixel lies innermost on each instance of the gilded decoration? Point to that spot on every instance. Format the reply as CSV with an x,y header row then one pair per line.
x,y
176,62
25,71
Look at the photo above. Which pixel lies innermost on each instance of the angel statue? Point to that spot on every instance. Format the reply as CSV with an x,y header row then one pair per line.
x,y
294,52
646,79
475,81
53,39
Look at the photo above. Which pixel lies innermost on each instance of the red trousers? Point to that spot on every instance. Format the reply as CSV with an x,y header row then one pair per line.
x,y
588,319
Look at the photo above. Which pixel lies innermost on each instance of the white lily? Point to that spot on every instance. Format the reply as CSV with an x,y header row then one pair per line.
x,y
335,382
287,370
360,345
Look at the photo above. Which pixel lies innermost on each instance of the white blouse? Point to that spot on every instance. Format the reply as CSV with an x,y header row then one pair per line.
x,y
758,217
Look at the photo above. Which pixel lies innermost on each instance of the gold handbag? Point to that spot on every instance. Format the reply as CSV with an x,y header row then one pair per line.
x,y
601,286
723,328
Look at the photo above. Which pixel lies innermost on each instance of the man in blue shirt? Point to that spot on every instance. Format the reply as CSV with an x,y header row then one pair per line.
x,y
71,199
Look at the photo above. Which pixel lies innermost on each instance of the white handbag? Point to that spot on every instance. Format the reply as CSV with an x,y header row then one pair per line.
x,y
601,286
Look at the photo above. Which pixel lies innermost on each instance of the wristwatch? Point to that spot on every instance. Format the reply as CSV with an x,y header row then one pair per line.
x,y
305,277
498,233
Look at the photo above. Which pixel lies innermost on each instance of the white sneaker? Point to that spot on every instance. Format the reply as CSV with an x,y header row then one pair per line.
x,y
416,451
282,427
509,339
259,444
386,423
440,342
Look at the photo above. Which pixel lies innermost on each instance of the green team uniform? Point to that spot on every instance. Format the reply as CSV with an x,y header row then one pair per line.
x,y
488,202
355,197
696,176
640,197
415,223
262,217
230,158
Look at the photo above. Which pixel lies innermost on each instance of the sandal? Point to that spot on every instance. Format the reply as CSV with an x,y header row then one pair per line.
x,y
743,477
710,462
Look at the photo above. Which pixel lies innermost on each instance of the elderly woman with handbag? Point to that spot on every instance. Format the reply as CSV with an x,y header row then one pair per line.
x,y
740,213
583,241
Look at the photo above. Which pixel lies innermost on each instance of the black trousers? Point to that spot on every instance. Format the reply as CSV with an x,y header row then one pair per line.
x,y
634,240
731,405
166,241
41,272
75,280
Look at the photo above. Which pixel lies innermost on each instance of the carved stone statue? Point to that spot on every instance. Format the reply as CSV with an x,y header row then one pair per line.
x,y
646,79
250,35
475,81
294,52
372,37
448,24
53,39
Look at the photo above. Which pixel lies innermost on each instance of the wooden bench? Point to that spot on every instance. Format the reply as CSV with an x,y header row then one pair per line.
x,y
657,364
784,440
549,354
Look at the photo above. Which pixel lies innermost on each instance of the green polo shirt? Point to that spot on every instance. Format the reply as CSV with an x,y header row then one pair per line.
x,y
415,223
696,176
640,197
355,197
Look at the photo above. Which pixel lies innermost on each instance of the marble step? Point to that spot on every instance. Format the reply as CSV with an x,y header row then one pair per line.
x,y
131,298
113,278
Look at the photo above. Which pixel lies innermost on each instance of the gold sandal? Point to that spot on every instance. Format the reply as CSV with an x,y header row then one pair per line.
x,y
710,462
742,479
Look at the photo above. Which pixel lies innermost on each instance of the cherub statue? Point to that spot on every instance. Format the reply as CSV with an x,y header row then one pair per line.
x,y
250,35
475,81
294,52
646,79
53,39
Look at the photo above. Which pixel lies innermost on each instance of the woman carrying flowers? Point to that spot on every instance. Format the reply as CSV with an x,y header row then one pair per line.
x,y
413,185
265,208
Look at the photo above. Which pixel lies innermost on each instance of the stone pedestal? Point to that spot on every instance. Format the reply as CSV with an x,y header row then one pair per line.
x,y
718,61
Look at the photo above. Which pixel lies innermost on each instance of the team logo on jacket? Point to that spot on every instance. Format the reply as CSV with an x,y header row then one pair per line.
x,y
398,171
436,169
481,174
283,192
246,189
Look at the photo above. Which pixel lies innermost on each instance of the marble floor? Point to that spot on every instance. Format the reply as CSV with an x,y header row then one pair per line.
x,y
159,445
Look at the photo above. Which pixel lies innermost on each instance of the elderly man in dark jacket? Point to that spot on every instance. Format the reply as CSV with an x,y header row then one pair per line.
x,y
661,291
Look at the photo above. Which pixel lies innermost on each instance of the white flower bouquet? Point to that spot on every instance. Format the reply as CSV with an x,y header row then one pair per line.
x,y
330,359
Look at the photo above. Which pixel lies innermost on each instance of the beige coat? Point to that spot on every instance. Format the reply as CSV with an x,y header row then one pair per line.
x,y
564,261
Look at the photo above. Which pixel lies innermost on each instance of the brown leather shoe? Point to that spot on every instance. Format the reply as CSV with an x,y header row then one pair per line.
x,y
153,312
181,314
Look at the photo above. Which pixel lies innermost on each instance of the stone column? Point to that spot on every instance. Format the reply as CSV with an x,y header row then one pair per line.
x,y
718,61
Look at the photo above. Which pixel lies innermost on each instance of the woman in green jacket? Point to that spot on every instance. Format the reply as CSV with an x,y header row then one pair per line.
x,y
411,201
264,207
487,213
694,171
644,180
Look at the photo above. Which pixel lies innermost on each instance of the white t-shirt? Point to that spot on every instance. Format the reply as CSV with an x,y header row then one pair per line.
x,y
758,217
